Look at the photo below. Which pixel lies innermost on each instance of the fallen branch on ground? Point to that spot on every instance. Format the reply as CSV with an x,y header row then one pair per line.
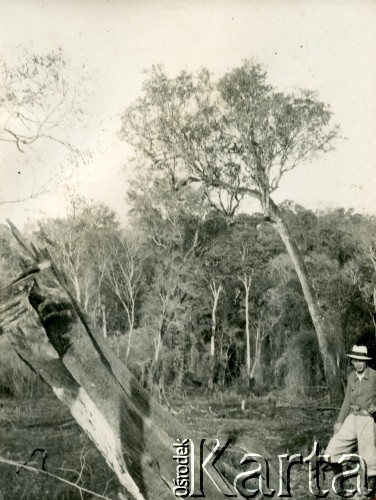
x,y
35,470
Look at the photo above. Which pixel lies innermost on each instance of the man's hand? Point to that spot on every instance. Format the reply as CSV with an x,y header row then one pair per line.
x,y
337,426
372,409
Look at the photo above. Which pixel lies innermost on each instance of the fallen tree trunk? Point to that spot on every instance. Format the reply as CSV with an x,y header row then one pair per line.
x,y
133,432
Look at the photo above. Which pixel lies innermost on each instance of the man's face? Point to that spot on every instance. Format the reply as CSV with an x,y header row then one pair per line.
x,y
359,365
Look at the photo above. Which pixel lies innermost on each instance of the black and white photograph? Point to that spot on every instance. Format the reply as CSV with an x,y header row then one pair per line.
x,y
187,249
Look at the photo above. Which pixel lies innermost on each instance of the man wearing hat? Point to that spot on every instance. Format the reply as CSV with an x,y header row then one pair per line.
x,y
355,426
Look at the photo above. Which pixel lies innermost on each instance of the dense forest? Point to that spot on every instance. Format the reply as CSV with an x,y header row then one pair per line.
x,y
186,295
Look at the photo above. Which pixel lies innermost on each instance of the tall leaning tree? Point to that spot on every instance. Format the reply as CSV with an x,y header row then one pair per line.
x,y
237,136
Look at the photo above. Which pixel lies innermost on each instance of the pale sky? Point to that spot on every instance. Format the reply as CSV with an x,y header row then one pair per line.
x,y
328,46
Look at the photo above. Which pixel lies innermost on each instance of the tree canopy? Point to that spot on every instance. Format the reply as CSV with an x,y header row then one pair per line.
x,y
42,102
237,135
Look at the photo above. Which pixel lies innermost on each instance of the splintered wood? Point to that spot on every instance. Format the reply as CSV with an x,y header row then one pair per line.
x,y
132,431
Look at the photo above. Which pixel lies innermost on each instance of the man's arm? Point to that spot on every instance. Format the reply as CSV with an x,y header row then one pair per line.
x,y
345,409
372,406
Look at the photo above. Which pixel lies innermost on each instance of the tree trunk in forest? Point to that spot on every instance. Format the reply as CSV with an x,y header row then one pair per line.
x,y
159,341
247,285
180,369
130,330
257,357
77,288
215,292
132,431
104,319
155,382
332,372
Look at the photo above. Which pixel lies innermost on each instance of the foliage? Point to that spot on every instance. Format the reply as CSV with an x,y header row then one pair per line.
x,y
79,244
178,255
238,135
42,108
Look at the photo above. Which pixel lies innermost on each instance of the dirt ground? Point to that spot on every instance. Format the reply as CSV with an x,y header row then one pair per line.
x,y
264,427
45,424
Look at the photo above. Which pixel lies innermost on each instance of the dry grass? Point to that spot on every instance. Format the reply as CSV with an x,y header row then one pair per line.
x,y
16,379
44,423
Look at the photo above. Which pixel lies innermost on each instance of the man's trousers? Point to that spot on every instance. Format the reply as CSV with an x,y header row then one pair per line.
x,y
357,434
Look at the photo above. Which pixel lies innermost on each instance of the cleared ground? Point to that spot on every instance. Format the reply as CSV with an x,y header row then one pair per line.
x,y
264,427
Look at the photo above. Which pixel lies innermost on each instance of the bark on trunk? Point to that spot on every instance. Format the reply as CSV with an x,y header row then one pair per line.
x,y
332,373
77,288
215,292
104,320
130,334
247,285
256,361
159,340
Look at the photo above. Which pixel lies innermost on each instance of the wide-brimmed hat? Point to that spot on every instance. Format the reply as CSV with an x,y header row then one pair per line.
x,y
359,352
